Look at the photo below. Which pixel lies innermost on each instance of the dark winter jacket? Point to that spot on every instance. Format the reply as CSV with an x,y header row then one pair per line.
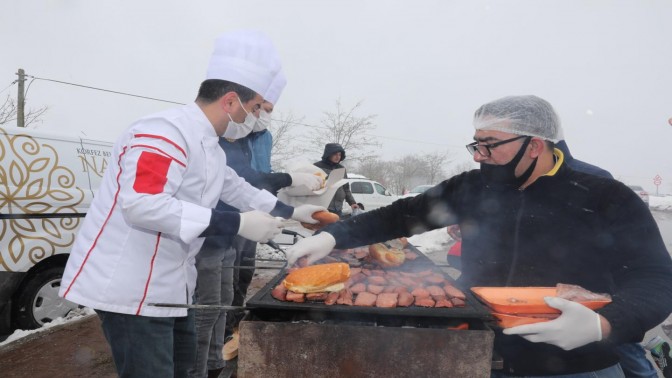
x,y
238,157
566,227
579,165
343,193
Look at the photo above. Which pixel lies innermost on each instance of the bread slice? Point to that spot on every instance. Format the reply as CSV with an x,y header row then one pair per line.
x,y
318,278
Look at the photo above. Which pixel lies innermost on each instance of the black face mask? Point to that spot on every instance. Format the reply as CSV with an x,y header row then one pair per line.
x,y
504,176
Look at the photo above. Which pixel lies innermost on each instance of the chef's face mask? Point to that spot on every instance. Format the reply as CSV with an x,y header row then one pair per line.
x,y
504,176
237,130
263,122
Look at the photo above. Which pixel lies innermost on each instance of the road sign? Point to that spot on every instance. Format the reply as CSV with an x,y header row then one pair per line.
x,y
657,180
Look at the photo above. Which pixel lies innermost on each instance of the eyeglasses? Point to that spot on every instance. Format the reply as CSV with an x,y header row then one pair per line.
x,y
485,149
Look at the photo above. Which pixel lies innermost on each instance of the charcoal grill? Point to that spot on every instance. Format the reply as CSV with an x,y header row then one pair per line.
x,y
311,339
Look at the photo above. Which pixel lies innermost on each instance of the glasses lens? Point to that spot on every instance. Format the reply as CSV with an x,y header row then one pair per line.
x,y
475,147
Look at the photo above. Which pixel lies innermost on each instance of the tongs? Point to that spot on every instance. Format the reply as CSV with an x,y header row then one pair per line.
x,y
270,243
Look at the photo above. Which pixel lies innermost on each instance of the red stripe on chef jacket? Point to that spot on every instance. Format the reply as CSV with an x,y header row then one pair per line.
x,y
161,151
109,214
163,139
149,276
152,173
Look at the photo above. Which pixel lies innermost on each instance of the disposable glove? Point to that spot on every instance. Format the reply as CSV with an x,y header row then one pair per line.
x,y
313,182
576,326
315,247
259,226
304,213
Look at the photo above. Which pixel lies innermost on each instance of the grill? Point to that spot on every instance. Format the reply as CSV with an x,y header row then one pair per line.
x,y
288,339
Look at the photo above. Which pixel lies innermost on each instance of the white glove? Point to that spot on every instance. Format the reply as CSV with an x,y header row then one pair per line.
x,y
315,247
576,326
304,213
259,226
312,182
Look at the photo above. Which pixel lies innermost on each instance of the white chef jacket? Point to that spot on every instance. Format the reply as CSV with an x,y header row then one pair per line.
x,y
138,241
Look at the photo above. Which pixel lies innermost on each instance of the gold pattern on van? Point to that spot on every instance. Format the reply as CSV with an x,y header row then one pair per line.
x,y
34,182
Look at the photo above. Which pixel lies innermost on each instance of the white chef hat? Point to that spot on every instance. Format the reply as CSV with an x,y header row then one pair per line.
x,y
522,115
245,57
275,90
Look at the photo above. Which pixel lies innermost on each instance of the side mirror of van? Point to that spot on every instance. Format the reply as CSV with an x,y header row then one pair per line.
x,y
387,192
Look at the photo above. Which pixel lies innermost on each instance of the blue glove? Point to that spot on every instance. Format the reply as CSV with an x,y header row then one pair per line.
x,y
576,326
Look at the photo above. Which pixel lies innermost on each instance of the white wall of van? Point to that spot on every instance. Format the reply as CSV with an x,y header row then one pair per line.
x,y
47,182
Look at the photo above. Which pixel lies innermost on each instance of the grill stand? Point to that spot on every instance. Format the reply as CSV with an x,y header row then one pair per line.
x,y
272,348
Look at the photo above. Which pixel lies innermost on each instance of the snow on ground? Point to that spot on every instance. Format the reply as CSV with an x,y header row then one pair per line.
x,y
660,203
73,315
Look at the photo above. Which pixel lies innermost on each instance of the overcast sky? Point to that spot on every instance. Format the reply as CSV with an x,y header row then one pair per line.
x,y
422,67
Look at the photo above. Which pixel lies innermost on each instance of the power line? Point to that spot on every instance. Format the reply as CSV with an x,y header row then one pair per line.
x,y
399,139
105,90
180,103
7,87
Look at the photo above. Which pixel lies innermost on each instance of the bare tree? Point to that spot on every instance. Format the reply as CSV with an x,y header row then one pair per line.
x,y
436,163
376,169
409,171
459,167
346,128
8,113
284,146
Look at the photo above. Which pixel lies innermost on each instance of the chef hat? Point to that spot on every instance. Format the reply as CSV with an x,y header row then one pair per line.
x,y
275,90
522,115
245,57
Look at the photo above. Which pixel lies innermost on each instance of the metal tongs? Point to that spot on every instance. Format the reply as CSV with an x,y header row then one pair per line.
x,y
270,243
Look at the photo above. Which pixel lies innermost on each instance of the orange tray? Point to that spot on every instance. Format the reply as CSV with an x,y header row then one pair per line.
x,y
508,320
524,300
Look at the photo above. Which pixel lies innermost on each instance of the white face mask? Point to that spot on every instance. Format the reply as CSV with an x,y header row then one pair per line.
x,y
237,130
263,122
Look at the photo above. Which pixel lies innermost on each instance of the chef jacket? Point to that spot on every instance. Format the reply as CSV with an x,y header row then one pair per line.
x,y
138,241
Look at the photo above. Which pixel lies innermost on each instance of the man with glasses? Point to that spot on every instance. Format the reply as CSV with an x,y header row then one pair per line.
x,y
527,219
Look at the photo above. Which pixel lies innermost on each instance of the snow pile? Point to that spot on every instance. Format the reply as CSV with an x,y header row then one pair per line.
x,y
660,203
72,316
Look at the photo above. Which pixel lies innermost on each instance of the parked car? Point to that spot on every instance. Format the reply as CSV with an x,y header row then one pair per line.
x,y
48,182
643,194
369,194
417,190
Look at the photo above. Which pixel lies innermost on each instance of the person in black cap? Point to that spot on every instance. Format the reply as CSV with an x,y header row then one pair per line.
x,y
332,157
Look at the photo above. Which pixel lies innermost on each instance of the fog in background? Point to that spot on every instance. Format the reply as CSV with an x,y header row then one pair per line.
x,y
422,67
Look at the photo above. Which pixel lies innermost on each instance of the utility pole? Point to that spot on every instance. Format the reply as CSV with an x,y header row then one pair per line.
x,y
21,100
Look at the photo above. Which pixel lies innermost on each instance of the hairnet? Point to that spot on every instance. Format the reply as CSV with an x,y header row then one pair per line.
x,y
521,115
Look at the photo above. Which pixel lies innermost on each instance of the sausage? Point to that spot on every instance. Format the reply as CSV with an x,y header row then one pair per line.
x,y
387,300
454,292
405,299
375,289
331,298
279,292
365,299
317,297
358,288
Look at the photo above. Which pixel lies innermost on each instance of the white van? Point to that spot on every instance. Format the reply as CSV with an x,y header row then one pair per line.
x,y
369,194
47,182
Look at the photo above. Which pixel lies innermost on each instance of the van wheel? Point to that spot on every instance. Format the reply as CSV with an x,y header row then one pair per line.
x,y
37,302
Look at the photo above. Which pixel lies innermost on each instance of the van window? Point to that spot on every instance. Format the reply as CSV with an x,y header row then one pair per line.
x,y
380,189
361,188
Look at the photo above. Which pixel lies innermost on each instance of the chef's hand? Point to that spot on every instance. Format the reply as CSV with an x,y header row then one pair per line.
x,y
304,213
576,326
259,226
315,247
313,182
354,206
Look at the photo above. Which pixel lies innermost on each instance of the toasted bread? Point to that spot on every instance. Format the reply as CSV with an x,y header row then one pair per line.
x,y
318,278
